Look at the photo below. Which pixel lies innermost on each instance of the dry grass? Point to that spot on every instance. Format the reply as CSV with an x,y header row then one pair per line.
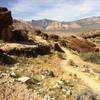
x,y
93,57
30,66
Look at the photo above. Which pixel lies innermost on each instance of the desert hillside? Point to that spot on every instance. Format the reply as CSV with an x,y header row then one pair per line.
x,y
73,26
39,65
57,26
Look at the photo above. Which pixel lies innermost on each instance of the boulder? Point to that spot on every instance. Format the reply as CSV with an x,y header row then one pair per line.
x,y
19,36
45,36
53,37
5,22
5,59
80,44
63,43
13,74
57,47
43,49
25,50
38,32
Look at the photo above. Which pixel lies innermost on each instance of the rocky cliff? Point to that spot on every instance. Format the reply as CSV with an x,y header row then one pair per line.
x,y
22,25
5,22
72,26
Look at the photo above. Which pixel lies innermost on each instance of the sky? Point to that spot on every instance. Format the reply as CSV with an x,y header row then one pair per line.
x,y
61,10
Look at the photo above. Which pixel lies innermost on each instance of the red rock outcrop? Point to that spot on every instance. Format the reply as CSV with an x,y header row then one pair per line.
x,y
46,36
5,22
57,47
23,25
25,50
80,44
54,37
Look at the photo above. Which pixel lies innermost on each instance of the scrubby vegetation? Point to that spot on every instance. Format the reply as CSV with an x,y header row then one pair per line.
x,y
71,62
61,55
93,57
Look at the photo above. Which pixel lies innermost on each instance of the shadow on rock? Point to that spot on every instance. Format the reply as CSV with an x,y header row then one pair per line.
x,y
6,60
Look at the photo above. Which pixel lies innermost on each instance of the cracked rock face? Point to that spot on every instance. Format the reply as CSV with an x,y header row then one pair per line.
x,y
5,22
25,50
80,45
5,18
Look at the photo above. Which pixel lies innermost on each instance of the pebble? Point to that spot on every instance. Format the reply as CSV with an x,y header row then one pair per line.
x,y
23,79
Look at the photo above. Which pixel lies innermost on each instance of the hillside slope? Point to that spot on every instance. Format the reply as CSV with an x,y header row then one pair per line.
x,y
76,26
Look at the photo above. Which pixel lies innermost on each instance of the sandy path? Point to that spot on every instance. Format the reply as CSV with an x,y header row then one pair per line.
x,y
90,82
79,61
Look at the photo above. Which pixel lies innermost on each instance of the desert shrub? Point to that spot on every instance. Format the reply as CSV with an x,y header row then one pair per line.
x,y
61,55
31,82
93,57
16,75
71,62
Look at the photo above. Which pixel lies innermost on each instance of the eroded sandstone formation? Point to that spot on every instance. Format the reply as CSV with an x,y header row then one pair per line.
x,y
5,22
80,44
25,50
46,36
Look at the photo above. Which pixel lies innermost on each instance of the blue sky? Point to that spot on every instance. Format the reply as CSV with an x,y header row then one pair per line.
x,y
62,10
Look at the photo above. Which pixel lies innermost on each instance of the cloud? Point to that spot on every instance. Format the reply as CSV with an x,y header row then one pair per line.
x,y
55,9
30,5
28,8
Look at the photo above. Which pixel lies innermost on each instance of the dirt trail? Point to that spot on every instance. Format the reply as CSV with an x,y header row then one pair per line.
x,y
90,82
78,60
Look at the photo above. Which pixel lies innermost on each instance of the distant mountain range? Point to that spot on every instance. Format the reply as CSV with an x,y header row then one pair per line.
x,y
52,25
21,24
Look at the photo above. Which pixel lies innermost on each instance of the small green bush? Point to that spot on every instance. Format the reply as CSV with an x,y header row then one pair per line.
x,y
61,55
71,62
93,57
